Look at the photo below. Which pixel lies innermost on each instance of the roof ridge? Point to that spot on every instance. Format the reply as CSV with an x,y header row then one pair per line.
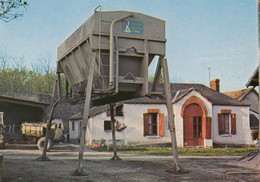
x,y
239,90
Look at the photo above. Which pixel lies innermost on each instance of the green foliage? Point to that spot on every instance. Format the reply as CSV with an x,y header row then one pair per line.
x,y
188,151
21,80
151,78
16,78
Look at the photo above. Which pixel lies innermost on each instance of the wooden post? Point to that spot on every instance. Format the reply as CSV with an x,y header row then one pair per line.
x,y
168,96
115,157
79,171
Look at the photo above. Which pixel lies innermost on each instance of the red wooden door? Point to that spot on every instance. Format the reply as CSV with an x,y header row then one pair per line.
x,y
193,126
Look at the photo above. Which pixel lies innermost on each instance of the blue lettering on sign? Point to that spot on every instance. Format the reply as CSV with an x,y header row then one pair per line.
x,y
132,27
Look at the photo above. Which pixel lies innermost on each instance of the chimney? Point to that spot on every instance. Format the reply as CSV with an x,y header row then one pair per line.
x,y
214,84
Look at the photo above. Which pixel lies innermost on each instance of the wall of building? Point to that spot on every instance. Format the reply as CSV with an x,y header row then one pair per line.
x,y
133,120
134,133
243,132
74,135
252,99
96,132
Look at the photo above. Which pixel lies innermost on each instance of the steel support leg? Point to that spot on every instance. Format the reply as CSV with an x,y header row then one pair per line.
x,y
258,10
115,157
157,75
168,96
43,157
79,171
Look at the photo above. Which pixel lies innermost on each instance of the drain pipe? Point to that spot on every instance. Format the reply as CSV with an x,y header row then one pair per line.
x,y
111,52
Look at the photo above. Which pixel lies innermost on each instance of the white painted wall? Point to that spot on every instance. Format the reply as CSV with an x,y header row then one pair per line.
x,y
74,135
95,129
179,119
243,132
134,122
133,119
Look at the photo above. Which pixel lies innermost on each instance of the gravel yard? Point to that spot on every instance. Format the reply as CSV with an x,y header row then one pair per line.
x,y
19,164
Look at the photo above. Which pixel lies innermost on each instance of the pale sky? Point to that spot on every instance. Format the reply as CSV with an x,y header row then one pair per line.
x,y
201,34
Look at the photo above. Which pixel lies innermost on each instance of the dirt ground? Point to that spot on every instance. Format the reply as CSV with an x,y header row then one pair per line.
x,y
19,165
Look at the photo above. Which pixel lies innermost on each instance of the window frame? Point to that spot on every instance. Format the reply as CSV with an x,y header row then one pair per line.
x,y
197,122
149,125
231,123
118,111
153,124
226,123
107,127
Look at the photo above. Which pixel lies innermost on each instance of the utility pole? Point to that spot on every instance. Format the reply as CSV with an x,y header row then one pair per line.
x,y
209,75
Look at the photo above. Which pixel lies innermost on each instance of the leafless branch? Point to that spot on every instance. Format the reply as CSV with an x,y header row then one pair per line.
x,y
11,9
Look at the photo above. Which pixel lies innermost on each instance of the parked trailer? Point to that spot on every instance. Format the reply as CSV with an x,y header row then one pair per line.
x,y
31,132
37,132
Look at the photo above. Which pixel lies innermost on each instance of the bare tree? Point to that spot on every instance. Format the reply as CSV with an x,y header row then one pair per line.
x,y
11,9
3,60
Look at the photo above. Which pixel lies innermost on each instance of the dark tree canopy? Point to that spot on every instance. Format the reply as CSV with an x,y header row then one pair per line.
x,y
11,9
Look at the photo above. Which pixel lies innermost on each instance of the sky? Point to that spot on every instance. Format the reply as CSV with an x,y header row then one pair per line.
x,y
206,39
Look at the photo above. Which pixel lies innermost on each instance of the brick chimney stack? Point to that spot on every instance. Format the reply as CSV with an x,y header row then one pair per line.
x,y
214,84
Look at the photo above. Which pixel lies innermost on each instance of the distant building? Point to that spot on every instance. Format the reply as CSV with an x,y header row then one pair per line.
x,y
251,97
248,96
18,109
254,120
27,107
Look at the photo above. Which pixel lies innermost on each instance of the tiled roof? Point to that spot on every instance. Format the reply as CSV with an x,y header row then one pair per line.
x,y
92,112
216,98
239,94
182,89
146,100
19,100
179,90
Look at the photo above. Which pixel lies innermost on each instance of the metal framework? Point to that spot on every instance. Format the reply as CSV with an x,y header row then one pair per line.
x,y
111,71
258,9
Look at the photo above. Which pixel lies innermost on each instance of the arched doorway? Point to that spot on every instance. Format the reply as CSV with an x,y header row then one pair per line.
x,y
192,118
